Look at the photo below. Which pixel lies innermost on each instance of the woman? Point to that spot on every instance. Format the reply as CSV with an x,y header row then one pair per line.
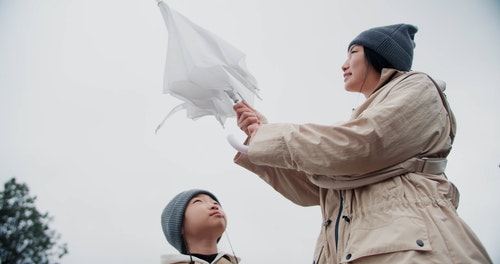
x,y
379,177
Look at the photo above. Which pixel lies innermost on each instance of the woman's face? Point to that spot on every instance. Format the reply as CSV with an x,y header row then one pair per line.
x,y
355,69
204,217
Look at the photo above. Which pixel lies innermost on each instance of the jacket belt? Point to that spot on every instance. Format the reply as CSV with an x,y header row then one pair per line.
x,y
343,182
430,165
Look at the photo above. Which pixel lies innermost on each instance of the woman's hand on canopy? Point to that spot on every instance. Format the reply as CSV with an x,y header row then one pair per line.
x,y
249,119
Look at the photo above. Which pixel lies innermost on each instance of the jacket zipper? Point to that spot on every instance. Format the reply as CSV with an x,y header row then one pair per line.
x,y
337,223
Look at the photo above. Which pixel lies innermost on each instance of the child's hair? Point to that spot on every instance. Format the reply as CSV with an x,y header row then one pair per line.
x,y
172,218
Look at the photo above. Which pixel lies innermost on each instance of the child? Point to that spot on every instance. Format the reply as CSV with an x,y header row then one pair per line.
x,y
193,222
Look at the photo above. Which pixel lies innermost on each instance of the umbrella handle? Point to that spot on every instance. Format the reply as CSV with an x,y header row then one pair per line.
x,y
236,144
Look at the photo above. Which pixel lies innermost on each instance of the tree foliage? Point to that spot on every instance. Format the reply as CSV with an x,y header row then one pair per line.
x,y
25,236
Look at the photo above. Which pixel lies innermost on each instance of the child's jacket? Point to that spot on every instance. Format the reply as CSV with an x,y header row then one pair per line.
x,y
222,258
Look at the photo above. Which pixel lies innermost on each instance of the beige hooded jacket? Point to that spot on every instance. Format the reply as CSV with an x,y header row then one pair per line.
x,y
378,178
222,258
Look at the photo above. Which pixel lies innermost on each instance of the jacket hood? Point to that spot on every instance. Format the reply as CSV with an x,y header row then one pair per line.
x,y
176,258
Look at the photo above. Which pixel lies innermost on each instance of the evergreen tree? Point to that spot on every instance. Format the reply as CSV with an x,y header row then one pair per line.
x,y
25,236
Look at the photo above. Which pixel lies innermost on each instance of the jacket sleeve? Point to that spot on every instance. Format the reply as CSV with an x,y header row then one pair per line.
x,y
407,120
292,184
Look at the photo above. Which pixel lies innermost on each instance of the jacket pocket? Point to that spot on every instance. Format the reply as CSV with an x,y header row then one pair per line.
x,y
383,234
318,256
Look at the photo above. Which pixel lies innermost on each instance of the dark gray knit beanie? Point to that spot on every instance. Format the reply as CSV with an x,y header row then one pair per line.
x,y
394,43
172,217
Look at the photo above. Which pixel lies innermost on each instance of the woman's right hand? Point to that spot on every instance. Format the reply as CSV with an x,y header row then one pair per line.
x,y
249,119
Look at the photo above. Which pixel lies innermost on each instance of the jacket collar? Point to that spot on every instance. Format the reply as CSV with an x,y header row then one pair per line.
x,y
176,258
386,76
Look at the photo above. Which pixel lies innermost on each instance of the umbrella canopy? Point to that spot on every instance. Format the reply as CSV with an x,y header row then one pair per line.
x,y
208,74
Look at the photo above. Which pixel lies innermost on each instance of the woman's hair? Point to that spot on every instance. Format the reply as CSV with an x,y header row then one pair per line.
x,y
376,60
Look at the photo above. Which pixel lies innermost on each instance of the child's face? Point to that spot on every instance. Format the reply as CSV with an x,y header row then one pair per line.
x,y
204,218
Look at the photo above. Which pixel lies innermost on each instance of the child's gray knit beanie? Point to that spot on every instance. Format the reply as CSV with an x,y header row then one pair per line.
x,y
172,217
395,43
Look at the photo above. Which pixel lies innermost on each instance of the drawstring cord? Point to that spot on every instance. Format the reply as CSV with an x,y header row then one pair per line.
x,y
231,246
187,250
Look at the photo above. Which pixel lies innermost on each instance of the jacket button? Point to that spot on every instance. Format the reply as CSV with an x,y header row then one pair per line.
x,y
420,243
348,257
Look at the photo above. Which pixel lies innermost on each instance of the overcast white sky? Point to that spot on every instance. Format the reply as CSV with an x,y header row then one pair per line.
x,y
81,95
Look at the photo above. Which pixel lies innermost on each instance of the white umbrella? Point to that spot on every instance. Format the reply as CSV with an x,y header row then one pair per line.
x,y
204,71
